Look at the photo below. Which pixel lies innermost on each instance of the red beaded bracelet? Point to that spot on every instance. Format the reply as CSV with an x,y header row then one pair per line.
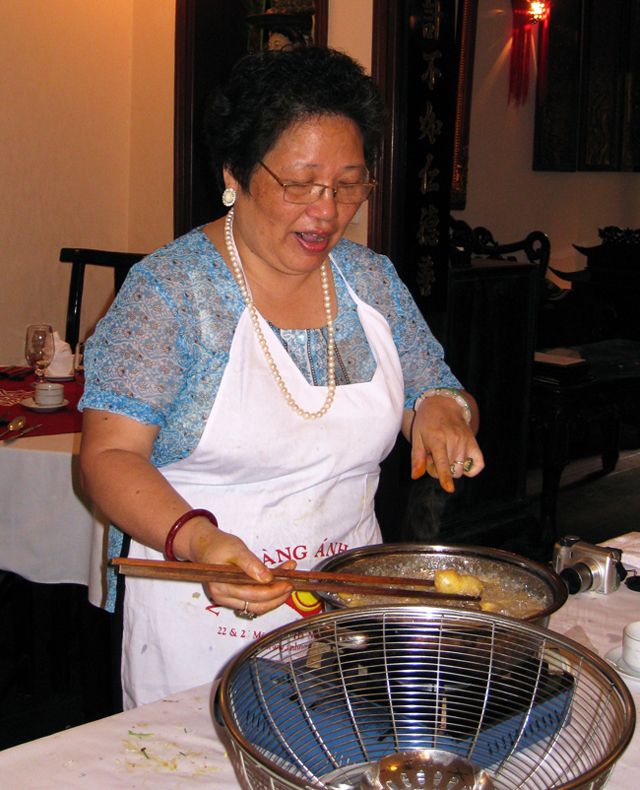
x,y
168,545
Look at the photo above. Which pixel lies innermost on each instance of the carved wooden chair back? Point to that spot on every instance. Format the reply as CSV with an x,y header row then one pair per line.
x,y
80,258
467,242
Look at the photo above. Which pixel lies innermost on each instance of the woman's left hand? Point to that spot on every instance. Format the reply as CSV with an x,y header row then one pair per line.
x,y
442,444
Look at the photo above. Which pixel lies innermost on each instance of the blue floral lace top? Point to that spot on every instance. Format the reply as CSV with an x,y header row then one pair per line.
x,y
160,353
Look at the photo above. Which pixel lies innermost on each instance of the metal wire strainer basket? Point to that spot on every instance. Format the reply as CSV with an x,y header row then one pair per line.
x,y
398,697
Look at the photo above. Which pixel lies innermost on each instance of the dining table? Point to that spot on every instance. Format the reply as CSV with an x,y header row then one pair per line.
x,y
175,742
49,530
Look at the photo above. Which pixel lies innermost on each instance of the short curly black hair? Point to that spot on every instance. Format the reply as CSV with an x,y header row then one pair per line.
x,y
270,91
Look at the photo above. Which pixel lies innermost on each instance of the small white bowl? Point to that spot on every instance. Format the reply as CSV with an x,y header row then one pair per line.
x,y
631,645
49,394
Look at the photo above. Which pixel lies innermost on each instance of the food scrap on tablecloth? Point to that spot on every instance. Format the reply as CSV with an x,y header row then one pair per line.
x,y
144,751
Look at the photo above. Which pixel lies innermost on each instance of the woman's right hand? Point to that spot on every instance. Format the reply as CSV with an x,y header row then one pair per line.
x,y
118,476
203,542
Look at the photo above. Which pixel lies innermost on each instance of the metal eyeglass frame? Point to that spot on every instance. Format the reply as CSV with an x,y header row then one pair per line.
x,y
336,190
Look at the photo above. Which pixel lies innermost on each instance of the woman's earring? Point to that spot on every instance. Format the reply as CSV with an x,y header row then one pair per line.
x,y
229,197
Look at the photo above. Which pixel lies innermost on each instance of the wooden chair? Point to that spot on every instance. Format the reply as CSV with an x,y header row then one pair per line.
x,y
479,242
488,333
609,391
120,262
556,315
609,285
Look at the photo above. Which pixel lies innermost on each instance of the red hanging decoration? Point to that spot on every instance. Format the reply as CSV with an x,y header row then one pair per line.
x,y
526,13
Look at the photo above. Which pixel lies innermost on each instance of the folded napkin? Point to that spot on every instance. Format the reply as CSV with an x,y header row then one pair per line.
x,y
630,545
62,363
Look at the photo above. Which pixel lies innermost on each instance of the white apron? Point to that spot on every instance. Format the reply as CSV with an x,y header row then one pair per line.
x,y
290,488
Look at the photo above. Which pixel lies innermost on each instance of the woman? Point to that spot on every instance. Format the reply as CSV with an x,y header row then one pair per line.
x,y
260,368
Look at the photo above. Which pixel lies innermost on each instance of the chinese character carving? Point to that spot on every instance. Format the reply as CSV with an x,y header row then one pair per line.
x,y
428,230
433,72
430,126
428,177
425,275
431,16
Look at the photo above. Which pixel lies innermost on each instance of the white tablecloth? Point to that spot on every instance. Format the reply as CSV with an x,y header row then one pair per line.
x,y
49,531
173,743
162,746
596,621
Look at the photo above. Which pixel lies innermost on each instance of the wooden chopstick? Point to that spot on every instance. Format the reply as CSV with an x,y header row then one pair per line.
x,y
313,581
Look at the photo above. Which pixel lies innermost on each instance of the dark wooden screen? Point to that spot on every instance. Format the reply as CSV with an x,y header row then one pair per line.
x,y
416,64
587,116
211,36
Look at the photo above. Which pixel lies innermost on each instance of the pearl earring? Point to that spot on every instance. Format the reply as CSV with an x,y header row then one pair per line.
x,y
229,197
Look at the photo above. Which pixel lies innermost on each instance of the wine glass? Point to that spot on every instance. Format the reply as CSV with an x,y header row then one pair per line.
x,y
38,349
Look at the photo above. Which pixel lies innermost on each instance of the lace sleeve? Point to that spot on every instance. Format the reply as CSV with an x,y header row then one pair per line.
x,y
160,353
134,362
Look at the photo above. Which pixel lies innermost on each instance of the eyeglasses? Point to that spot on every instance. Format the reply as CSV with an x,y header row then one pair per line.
x,y
310,193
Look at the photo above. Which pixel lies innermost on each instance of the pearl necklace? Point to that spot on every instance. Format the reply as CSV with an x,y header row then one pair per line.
x,y
236,268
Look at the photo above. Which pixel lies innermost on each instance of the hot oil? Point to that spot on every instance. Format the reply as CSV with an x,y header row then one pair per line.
x,y
506,590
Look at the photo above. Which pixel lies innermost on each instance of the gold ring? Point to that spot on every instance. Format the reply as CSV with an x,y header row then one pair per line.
x,y
245,614
468,464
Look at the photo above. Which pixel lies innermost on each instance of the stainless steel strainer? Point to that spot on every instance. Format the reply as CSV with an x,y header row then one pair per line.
x,y
426,769
331,701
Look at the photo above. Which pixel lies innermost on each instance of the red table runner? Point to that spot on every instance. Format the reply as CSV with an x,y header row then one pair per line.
x,y
66,420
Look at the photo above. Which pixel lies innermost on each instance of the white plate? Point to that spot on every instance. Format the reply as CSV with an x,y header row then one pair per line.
x,y
29,403
615,657
57,379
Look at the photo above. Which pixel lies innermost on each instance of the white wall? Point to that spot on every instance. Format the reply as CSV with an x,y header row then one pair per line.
x,y
86,148
504,193
64,150
86,144
152,98
71,148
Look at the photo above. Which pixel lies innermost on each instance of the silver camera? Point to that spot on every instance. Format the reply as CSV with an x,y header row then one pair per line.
x,y
584,566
